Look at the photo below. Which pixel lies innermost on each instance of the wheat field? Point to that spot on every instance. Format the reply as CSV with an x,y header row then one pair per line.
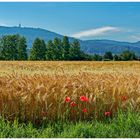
x,y
33,91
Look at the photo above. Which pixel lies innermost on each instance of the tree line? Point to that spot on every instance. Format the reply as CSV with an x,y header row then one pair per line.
x,y
108,56
14,47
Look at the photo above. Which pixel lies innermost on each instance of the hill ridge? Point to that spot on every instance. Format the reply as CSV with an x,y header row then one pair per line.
x,y
98,46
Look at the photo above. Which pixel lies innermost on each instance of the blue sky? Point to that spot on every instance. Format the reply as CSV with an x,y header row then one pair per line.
x,y
115,21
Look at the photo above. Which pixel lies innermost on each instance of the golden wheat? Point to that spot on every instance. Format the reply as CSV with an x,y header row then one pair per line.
x,y
37,90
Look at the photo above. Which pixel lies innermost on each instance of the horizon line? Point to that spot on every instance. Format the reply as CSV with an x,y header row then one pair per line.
x,y
103,39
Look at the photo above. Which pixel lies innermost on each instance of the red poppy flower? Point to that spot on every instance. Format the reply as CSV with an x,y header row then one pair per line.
x,y
67,99
72,104
84,110
124,98
107,114
83,98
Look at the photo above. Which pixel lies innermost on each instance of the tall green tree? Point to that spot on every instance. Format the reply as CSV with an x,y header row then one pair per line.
x,y
115,57
75,52
108,56
1,49
8,47
22,49
97,57
58,49
38,50
50,51
66,48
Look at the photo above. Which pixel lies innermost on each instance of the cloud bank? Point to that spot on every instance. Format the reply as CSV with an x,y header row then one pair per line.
x,y
96,32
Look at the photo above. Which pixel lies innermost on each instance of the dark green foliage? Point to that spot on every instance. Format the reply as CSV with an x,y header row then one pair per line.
x,y
8,47
66,47
58,49
50,51
38,51
116,57
97,57
74,51
13,47
108,56
22,49
125,56
128,55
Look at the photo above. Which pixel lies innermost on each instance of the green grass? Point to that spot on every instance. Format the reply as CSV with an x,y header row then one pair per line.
x,y
123,126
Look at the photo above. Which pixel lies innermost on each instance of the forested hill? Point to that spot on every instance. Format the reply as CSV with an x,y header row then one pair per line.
x,y
88,46
30,33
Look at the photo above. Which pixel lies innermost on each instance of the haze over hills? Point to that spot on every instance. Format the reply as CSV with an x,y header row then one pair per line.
x,y
88,46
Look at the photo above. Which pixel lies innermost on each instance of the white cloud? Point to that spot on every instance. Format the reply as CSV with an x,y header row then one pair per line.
x,y
96,32
136,37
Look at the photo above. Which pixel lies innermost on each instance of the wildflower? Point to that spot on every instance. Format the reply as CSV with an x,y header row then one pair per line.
x,y
107,114
124,98
67,99
83,98
84,110
72,104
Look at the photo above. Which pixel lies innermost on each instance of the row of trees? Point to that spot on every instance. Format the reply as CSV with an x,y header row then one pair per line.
x,y
108,56
56,50
14,47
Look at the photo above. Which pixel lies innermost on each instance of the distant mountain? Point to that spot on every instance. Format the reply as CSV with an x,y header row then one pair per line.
x,y
101,46
88,46
29,33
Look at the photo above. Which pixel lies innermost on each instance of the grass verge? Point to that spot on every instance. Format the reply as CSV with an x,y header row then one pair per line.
x,y
122,126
